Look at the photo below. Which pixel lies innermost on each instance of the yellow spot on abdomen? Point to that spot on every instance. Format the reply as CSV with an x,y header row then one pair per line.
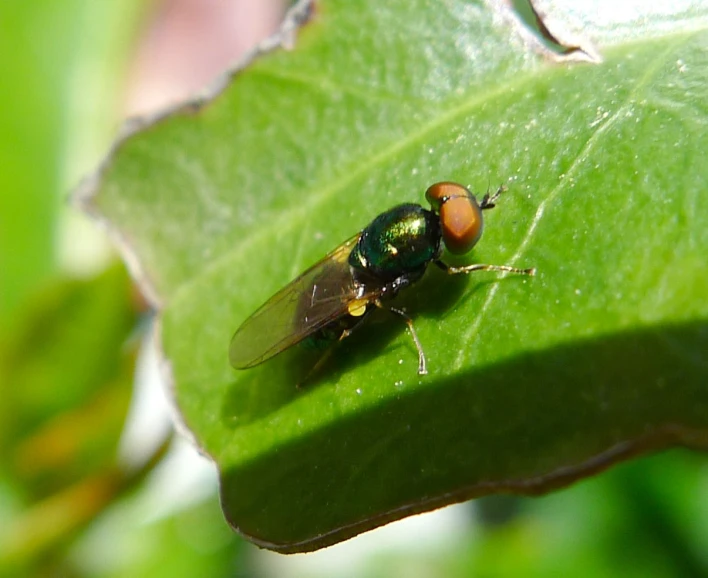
x,y
357,308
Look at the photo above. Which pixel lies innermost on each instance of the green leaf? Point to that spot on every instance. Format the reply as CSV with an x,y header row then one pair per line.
x,y
59,64
65,381
534,382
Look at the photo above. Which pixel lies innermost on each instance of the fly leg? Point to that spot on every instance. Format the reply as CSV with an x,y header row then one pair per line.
x,y
323,358
479,267
422,369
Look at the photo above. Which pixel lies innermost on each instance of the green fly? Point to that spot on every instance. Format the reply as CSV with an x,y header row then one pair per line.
x,y
331,299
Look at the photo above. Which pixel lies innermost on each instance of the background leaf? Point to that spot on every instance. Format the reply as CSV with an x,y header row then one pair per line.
x,y
533,382
66,379
65,369
59,65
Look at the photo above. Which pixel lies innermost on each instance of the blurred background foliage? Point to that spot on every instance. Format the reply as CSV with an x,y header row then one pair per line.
x,y
78,497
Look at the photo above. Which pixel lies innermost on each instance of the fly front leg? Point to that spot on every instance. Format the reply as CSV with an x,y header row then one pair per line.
x,y
479,267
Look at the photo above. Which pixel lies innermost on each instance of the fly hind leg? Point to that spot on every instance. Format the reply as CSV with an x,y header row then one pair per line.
x,y
346,327
323,358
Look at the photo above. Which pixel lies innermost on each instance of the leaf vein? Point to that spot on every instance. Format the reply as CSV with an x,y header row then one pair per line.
x,y
582,156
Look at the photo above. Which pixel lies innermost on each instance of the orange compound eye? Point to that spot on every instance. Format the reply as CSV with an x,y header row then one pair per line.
x,y
460,216
462,224
439,193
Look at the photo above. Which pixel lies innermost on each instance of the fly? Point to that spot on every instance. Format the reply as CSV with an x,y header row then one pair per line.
x,y
331,299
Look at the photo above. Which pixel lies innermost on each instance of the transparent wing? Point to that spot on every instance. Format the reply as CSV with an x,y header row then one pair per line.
x,y
318,296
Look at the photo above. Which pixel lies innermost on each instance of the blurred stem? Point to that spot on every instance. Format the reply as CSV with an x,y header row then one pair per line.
x,y
54,520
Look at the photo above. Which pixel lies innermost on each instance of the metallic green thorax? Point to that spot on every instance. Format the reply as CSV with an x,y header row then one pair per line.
x,y
403,240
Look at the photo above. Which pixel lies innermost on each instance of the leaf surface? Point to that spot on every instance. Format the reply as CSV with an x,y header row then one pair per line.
x,y
534,382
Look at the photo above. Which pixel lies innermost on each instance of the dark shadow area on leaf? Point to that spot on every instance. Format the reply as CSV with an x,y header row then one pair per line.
x,y
529,425
263,389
